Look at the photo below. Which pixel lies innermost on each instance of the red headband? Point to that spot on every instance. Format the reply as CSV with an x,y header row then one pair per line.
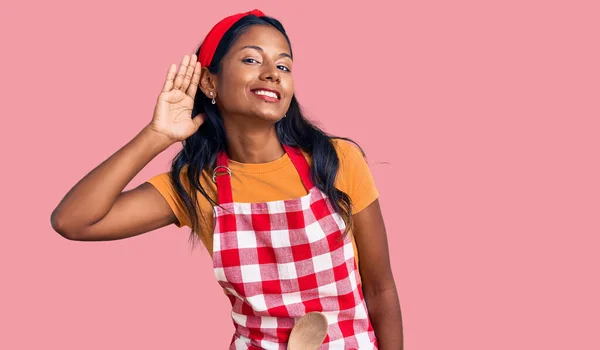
x,y
209,46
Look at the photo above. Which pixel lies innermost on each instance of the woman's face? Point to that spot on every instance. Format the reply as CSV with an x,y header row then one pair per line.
x,y
255,80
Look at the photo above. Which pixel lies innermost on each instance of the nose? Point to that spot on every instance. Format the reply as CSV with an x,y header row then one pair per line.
x,y
270,72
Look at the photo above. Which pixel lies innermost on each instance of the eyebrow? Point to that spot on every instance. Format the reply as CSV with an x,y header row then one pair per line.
x,y
258,48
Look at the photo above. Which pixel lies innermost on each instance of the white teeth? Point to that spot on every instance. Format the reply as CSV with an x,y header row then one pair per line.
x,y
266,93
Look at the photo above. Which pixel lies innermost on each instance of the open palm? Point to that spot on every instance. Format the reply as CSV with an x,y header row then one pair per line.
x,y
173,111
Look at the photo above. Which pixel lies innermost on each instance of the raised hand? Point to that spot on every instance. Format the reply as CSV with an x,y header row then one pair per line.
x,y
173,112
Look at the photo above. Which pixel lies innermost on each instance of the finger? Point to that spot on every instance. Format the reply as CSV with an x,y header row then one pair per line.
x,y
168,85
199,119
195,81
182,68
188,73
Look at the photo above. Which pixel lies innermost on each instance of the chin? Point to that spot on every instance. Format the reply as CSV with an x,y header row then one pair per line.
x,y
272,117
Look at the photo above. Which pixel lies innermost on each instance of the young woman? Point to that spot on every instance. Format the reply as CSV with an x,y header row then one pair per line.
x,y
289,214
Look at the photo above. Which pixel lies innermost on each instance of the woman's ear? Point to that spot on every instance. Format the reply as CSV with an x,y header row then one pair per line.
x,y
208,82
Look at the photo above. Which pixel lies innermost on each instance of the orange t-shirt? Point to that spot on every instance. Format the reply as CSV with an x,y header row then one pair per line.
x,y
276,180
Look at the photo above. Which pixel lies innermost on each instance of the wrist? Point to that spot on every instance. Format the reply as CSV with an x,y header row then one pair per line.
x,y
157,138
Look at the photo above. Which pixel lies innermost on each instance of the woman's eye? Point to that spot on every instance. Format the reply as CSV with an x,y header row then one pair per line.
x,y
252,60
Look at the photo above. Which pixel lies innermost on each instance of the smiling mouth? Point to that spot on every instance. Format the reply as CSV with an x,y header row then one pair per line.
x,y
267,95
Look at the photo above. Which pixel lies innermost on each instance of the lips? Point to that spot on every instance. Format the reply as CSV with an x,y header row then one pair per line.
x,y
261,92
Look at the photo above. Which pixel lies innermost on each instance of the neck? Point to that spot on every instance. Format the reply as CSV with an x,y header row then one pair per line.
x,y
252,144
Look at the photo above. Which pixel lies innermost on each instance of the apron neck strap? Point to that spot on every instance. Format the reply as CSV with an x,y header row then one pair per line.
x,y
222,173
301,165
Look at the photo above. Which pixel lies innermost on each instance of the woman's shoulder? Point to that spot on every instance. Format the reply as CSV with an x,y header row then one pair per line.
x,y
354,174
346,145
348,152
165,184
166,177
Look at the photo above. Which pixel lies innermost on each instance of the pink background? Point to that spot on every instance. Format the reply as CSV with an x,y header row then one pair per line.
x,y
480,120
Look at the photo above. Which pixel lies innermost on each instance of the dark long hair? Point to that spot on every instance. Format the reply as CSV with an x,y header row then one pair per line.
x,y
200,150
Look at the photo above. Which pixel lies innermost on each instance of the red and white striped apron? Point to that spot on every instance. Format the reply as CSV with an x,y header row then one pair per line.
x,y
279,260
